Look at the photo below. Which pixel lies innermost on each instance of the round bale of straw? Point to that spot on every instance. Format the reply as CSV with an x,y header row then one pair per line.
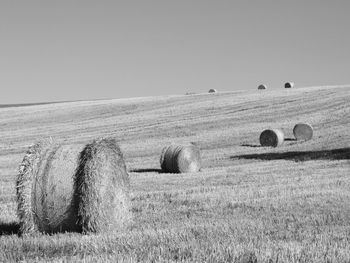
x,y
78,188
289,85
272,138
262,86
180,159
303,131
212,91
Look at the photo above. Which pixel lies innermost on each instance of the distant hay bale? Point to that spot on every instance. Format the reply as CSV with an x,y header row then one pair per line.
x,y
212,91
303,131
288,85
273,137
262,86
180,159
78,188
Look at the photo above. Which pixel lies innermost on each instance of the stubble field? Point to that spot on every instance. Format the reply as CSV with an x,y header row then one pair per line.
x,y
285,204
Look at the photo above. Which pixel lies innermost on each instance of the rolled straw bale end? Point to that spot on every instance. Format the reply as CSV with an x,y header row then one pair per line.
x,y
272,138
289,85
189,159
180,158
24,181
303,131
102,188
168,158
212,91
162,158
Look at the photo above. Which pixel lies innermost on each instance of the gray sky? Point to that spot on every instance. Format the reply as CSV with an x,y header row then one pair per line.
x,y
82,49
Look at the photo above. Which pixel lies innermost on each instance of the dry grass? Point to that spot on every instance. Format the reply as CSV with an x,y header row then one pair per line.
x,y
284,204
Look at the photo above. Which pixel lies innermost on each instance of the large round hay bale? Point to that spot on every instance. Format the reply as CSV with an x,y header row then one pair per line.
x,y
262,86
80,188
303,131
273,137
288,85
180,159
212,91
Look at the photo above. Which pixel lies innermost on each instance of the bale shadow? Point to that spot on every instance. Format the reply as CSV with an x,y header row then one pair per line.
x,y
258,145
9,228
335,154
251,145
147,170
290,139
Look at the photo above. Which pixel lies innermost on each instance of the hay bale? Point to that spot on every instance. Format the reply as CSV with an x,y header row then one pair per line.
x,y
303,131
180,159
262,86
289,85
212,91
273,137
79,188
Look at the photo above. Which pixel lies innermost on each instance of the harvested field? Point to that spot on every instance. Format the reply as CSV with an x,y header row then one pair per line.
x,y
285,204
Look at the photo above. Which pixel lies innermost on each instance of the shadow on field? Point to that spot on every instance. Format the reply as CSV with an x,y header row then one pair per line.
x,y
251,145
290,139
335,154
258,145
9,228
147,170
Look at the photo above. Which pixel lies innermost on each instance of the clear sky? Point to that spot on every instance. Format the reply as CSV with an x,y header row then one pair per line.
x,y
82,49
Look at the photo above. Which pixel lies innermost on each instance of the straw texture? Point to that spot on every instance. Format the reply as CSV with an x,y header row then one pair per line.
x,y
180,159
102,188
273,138
303,131
80,188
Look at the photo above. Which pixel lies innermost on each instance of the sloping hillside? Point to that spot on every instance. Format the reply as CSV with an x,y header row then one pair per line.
x,y
287,202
